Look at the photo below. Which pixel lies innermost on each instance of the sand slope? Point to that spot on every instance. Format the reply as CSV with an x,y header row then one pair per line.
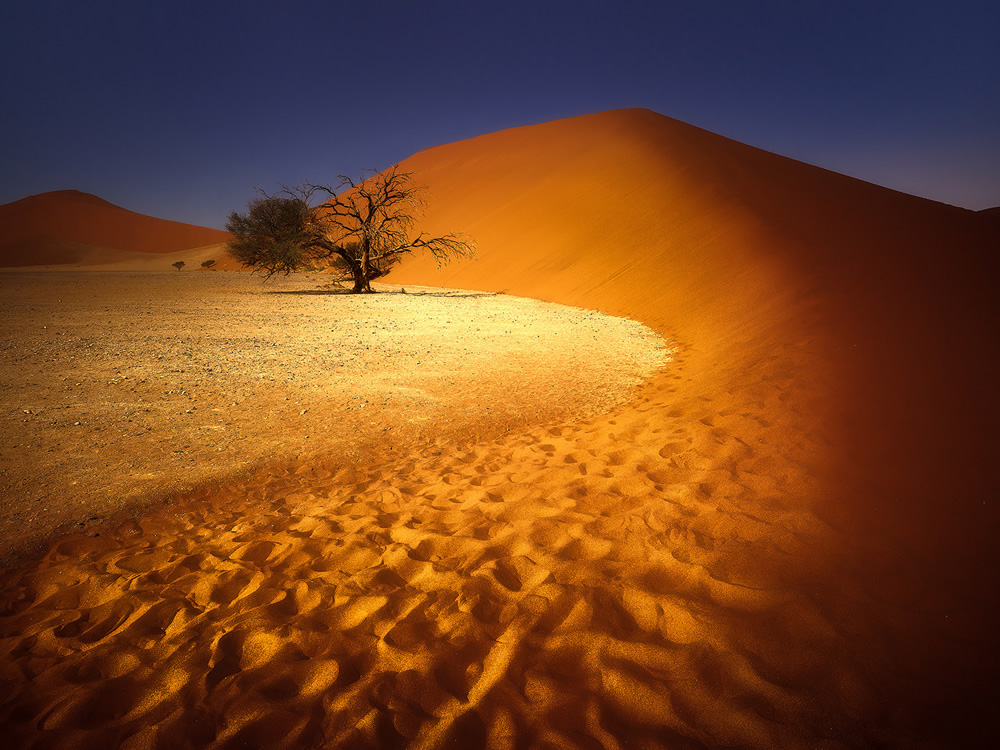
x,y
885,299
784,540
70,227
833,334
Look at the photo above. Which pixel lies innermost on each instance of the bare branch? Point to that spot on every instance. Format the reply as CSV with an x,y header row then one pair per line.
x,y
360,229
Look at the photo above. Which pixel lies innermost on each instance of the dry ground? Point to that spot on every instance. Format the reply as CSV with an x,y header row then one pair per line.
x,y
118,388
664,574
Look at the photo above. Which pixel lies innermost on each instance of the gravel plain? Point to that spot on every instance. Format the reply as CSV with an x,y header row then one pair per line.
x,y
120,388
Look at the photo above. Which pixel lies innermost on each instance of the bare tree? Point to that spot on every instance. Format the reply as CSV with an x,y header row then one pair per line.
x,y
361,228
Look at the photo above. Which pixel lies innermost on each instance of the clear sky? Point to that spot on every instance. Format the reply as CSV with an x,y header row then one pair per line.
x,y
177,109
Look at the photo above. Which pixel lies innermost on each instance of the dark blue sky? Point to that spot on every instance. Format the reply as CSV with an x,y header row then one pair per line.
x,y
177,109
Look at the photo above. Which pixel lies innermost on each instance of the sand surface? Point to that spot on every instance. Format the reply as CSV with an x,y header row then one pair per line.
x,y
119,388
786,538
68,227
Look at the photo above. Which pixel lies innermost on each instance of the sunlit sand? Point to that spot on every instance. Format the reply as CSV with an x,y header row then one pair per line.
x,y
782,538
125,387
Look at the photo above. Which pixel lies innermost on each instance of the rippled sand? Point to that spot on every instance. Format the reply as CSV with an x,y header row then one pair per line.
x,y
645,578
552,586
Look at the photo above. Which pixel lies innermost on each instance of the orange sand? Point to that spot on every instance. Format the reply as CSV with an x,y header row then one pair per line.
x,y
69,227
783,541
123,388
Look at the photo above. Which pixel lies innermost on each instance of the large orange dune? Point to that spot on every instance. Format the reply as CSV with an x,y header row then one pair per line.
x,y
70,227
785,539
836,357
885,301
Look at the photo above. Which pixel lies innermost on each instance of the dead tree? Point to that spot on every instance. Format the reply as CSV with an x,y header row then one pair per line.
x,y
361,229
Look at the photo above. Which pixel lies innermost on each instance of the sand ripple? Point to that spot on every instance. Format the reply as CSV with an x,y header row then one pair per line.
x,y
594,584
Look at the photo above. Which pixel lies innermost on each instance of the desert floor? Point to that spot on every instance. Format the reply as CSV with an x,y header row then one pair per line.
x,y
514,543
122,388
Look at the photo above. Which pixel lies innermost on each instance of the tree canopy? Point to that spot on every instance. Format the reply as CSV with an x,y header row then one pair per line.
x,y
360,229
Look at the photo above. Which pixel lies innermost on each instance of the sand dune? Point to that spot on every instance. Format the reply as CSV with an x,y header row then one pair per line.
x,y
877,303
784,540
69,227
832,335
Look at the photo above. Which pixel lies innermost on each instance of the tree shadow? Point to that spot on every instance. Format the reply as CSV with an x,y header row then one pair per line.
x,y
457,293
309,292
454,293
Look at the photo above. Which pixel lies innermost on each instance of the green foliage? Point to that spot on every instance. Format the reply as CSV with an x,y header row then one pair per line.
x,y
276,235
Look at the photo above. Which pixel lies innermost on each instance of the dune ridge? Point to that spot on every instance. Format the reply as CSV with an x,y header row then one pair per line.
x,y
784,540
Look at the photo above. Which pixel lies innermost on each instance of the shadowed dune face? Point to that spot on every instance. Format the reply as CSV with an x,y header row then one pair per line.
x,y
884,298
778,543
845,324
70,227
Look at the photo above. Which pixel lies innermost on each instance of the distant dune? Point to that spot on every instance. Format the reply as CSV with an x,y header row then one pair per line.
x,y
69,227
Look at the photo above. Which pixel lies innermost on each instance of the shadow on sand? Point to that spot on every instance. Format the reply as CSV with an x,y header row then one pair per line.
x,y
456,293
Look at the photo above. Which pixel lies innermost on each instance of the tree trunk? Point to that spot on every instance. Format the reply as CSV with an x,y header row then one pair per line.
x,y
359,279
361,284
366,264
